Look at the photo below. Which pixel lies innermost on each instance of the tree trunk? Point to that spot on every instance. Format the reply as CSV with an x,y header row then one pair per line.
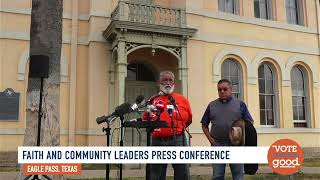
x,y
45,39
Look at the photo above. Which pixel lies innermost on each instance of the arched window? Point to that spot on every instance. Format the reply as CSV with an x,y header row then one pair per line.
x,y
139,72
299,97
267,93
231,70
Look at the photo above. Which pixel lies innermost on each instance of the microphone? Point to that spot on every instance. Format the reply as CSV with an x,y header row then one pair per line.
x,y
105,118
170,109
119,111
160,106
135,106
150,101
172,100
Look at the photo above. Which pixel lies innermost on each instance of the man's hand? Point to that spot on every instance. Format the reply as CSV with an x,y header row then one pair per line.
x,y
211,140
205,130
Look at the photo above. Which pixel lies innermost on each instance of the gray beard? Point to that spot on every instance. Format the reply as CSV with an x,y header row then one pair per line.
x,y
166,89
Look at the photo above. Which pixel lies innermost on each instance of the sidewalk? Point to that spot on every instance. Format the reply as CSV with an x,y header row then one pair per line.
x,y
194,170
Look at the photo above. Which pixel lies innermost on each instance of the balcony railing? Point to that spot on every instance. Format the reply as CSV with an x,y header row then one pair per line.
x,y
149,14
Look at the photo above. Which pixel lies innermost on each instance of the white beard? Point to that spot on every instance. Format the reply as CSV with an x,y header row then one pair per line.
x,y
166,89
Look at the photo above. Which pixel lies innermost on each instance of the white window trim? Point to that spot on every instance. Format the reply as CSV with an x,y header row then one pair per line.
x,y
307,96
276,111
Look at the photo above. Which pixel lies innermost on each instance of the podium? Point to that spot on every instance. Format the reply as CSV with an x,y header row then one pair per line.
x,y
150,126
145,124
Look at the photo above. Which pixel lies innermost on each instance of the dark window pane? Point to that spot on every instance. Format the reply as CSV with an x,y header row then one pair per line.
x,y
269,102
301,113
235,84
294,100
304,101
268,72
234,69
139,72
262,102
262,117
261,71
256,9
270,118
300,91
261,86
230,70
225,70
269,87
295,113
299,101
230,6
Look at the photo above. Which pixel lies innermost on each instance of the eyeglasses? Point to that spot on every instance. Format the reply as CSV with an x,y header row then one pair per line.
x,y
224,89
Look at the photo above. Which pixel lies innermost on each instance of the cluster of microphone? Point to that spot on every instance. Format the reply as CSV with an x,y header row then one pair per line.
x,y
140,102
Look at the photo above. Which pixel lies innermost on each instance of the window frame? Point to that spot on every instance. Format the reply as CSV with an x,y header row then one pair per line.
x,y
240,77
299,12
275,98
268,9
223,8
305,79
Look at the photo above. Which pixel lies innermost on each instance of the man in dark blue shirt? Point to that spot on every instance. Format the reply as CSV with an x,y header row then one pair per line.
x,y
221,113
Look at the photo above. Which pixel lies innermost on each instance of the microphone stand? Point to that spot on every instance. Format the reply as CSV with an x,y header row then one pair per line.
x,y
173,129
148,170
121,142
107,131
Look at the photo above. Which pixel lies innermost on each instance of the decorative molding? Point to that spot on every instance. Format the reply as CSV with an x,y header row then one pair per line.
x,y
117,27
26,11
15,35
24,60
211,38
81,17
250,20
12,131
217,61
307,62
168,49
97,37
260,57
82,40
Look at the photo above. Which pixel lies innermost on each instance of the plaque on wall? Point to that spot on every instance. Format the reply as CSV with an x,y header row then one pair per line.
x,y
9,105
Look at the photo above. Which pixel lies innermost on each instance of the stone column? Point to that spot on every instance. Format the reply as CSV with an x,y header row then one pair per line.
x,y
121,72
183,68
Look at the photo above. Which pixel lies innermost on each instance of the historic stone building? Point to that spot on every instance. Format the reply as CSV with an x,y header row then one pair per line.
x,y
113,51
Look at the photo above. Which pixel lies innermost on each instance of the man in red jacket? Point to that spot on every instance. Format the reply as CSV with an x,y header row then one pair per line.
x,y
177,113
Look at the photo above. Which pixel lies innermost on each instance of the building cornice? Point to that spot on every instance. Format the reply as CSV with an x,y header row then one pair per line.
x,y
115,25
81,17
211,38
250,20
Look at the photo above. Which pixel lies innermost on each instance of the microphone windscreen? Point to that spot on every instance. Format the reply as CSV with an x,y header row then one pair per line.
x,y
139,99
101,119
123,109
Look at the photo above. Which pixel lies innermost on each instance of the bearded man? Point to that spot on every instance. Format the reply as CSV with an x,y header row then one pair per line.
x,y
178,116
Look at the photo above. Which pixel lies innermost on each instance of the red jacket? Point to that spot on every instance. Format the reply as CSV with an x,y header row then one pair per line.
x,y
180,122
